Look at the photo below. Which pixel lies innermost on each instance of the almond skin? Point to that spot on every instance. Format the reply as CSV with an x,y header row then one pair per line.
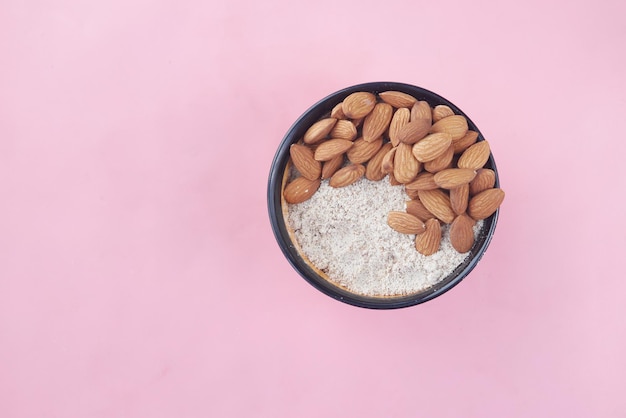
x,y
344,129
373,170
405,223
475,157
397,98
300,189
347,175
358,105
485,179
427,243
454,177
464,143
328,150
423,181
413,131
319,130
416,208
331,166
377,122
437,203
363,150
421,110
432,146
442,162
337,112
400,118
485,203
459,198
387,164
405,166
455,125
302,158
462,233
441,111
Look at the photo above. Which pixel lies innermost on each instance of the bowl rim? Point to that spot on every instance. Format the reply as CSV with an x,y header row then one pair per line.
x,y
290,250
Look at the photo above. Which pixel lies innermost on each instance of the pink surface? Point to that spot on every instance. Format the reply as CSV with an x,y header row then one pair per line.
x,y
139,276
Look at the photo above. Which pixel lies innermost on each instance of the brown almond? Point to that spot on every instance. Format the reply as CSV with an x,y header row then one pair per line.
x,y
442,162
319,130
400,118
358,105
387,164
485,203
405,223
459,197
476,156
405,166
432,146
377,122
328,150
331,166
302,158
363,150
373,170
455,125
485,179
421,110
300,189
413,131
347,175
337,112
462,233
441,111
393,181
464,143
427,243
343,129
423,181
357,122
397,98
416,208
437,203
454,177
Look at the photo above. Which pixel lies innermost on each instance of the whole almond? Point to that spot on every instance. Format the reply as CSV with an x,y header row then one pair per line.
x,y
437,203
427,243
347,175
432,146
387,164
405,223
421,110
328,150
416,208
413,131
441,111
454,177
373,170
464,143
377,122
302,158
358,105
462,233
423,181
331,166
397,98
400,118
459,197
337,112
319,130
363,150
405,166
485,203
475,156
485,179
300,189
442,162
455,125
343,129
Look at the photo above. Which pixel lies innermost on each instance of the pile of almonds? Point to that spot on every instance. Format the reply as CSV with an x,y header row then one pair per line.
x,y
430,151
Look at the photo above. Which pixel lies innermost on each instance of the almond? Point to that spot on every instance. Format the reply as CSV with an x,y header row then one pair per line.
x,y
413,131
405,166
397,98
357,122
300,189
343,129
464,143
387,164
459,196
405,223
455,125
421,110
475,156
373,170
454,177
427,243
327,150
337,112
319,130
358,105
485,179
423,181
485,203
441,111
400,118
331,166
302,158
393,181
437,203
432,146
347,175
416,208
442,162
377,122
462,233
363,150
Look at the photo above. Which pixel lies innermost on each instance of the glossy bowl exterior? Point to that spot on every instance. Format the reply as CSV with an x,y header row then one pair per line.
x,y
281,232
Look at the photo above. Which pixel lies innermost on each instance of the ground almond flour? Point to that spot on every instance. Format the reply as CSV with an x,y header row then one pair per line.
x,y
344,232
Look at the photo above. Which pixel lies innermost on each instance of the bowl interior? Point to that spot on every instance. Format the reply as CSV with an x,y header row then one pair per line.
x,y
290,249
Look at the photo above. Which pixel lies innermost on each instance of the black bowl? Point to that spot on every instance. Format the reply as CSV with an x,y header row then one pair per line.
x,y
277,218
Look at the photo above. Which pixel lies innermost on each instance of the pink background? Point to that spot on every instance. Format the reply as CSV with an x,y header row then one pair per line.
x,y
139,276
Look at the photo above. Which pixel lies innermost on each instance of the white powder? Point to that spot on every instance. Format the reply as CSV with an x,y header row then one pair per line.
x,y
344,233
